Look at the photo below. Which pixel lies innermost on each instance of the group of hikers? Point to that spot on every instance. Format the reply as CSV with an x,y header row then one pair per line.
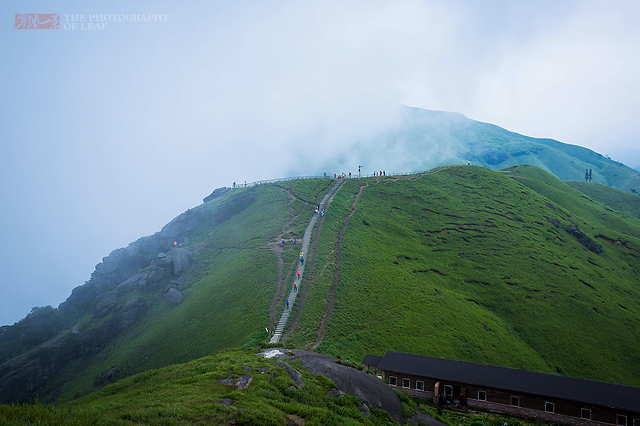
x,y
319,210
342,175
295,284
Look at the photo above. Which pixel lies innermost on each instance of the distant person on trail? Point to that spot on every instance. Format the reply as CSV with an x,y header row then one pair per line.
x,y
334,175
384,173
234,183
349,175
294,242
298,273
586,175
301,253
468,163
282,243
295,287
287,303
301,259
589,175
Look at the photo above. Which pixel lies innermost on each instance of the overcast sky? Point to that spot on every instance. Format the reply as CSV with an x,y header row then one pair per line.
x,y
107,134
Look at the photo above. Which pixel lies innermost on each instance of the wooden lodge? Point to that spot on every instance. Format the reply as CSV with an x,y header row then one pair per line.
x,y
547,397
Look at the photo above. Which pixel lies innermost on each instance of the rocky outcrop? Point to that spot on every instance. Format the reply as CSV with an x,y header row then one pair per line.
x,y
146,265
366,387
181,260
584,240
23,376
294,374
173,296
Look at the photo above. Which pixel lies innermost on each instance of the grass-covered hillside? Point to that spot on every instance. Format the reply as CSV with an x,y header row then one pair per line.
x,y
513,268
229,297
622,201
238,388
466,263
192,394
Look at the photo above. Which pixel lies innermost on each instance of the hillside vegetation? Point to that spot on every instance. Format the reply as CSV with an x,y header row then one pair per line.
x,y
622,201
227,296
466,263
512,268
207,391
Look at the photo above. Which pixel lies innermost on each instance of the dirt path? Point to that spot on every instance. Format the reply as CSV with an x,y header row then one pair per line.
x,y
312,264
332,291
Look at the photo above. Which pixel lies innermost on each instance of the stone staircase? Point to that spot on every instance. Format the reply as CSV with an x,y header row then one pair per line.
x,y
282,323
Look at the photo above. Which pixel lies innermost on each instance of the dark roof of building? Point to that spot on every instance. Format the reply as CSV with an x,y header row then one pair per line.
x,y
567,388
372,360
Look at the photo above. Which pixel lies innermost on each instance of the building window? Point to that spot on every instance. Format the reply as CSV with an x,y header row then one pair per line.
x,y
586,414
548,407
393,381
406,383
420,387
448,390
515,401
636,422
482,395
621,420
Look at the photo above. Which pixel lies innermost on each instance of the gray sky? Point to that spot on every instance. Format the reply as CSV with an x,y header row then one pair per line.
x,y
106,135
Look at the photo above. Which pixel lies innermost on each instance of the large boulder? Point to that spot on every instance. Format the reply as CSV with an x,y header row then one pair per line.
x,y
181,260
366,387
174,296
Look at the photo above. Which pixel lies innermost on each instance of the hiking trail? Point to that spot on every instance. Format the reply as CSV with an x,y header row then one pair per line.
x,y
279,329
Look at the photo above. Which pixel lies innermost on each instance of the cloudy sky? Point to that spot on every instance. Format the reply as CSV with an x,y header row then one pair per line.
x,y
109,128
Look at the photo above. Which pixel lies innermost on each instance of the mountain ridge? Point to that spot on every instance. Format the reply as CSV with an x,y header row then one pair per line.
x,y
211,277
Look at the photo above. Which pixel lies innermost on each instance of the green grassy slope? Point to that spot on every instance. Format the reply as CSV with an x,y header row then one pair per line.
x,y
465,264
226,303
590,209
190,394
622,201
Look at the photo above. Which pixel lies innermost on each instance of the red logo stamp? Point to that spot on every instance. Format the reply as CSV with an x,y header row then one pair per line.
x,y
37,21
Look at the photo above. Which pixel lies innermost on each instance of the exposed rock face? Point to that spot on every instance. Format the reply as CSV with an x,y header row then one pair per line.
x,y
369,390
294,374
174,296
22,377
147,264
181,260
584,240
